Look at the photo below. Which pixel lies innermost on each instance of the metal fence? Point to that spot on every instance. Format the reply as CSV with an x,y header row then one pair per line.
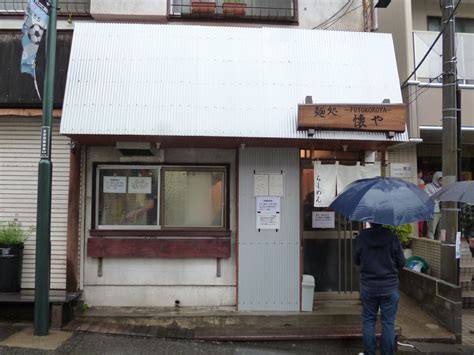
x,y
66,7
269,10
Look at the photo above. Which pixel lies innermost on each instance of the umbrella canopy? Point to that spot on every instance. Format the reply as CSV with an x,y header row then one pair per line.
x,y
384,200
461,191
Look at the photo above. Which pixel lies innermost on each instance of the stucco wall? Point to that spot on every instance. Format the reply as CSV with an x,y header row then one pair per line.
x,y
346,16
154,281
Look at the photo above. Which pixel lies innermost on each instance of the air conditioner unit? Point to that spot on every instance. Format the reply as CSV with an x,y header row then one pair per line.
x,y
382,3
137,149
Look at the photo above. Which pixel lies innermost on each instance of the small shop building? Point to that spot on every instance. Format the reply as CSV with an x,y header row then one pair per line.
x,y
204,157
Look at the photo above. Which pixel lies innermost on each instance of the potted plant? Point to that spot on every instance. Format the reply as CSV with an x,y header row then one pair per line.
x,y
12,238
234,7
403,233
203,7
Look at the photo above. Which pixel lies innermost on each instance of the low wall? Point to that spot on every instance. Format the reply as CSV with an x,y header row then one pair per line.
x,y
438,298
429,250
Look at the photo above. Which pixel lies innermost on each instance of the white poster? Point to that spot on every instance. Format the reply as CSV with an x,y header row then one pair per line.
x,y
260,185
458,245
268,212
275,185
324,220
324,184
139,185
400,170
115,184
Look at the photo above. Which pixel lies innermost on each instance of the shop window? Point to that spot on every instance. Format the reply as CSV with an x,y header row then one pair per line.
x,y
193,198
156,197
127,196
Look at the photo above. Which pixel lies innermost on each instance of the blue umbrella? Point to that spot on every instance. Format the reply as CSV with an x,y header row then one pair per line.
x,y
384,200
461,191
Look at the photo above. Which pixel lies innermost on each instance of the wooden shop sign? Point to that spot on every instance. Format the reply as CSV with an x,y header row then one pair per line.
x,y
383,117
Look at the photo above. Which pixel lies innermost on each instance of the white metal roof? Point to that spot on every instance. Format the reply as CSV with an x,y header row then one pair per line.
x,y
183,80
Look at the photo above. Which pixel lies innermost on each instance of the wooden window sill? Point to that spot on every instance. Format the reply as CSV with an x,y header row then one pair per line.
x,y
182,233
101,247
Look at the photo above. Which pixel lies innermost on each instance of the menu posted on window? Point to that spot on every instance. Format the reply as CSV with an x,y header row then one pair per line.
x,y
268,212
115,184
139,185
323,220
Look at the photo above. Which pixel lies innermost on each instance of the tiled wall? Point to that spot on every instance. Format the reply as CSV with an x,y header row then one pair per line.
x,y
429,250
405,155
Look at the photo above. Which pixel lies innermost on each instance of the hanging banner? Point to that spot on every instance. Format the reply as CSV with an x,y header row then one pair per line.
x,y
346,174
324,184
36,22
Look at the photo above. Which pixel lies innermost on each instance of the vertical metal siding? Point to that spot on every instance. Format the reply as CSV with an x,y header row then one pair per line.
x,y
19,156
269,261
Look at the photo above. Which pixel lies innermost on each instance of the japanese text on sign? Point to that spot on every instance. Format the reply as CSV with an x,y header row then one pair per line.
x,y
268,212
376,117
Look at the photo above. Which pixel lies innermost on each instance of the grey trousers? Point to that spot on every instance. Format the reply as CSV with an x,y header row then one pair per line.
x,y
433,224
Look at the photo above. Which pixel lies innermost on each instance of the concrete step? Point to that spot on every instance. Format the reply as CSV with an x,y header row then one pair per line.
x,y
324,317
229,333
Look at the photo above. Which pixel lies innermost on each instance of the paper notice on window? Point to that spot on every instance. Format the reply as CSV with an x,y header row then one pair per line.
x,y
268,212
275,185
115,184
323,220
260,185
139,185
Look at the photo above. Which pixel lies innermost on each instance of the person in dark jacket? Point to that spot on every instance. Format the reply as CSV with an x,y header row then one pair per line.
x,y
379,254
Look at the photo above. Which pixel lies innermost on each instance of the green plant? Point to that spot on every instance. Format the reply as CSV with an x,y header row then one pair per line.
x,y
11,233
403,233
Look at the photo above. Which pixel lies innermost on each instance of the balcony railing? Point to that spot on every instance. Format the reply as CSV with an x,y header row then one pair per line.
x,y
66,7
432,67
245,10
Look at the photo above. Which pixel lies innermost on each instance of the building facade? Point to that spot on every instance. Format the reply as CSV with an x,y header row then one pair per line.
x,y
189,178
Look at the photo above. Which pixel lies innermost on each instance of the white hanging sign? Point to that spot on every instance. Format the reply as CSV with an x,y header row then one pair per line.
x,y
458,245
324,184
275,185
260,185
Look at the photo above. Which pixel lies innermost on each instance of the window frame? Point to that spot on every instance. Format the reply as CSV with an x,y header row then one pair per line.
x,y
159,229
97,197
205,168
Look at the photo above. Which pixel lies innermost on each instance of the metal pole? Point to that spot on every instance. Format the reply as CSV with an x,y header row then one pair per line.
x,y
449,135
45,169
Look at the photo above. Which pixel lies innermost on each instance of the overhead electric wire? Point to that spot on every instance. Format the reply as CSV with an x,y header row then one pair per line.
x,y
344,14
421,90
332,16
432,45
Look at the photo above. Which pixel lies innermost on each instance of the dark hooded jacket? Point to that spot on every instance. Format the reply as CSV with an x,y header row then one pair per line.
x,y
379,254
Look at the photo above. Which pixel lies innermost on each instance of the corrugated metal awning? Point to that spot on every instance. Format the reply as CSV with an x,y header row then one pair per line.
x,y
207,81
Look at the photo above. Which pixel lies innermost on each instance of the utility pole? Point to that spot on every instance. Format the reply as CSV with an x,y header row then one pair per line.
x,y
449,270
45,171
